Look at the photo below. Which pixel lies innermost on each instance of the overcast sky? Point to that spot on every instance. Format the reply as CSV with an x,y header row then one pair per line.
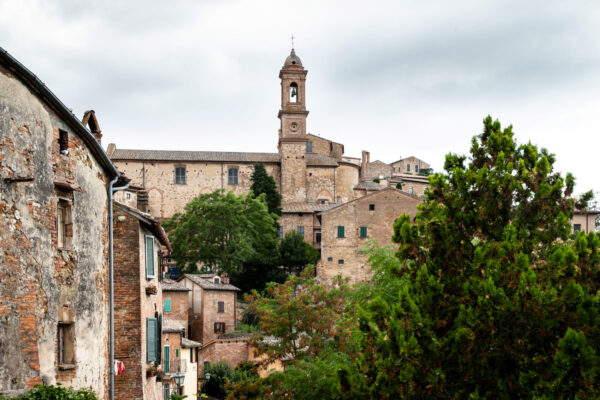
x,y
397,78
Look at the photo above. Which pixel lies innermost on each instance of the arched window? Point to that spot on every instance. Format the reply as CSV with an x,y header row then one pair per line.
x,y
293,92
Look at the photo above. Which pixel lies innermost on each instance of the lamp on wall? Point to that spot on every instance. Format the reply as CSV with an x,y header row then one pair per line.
x,y
178,378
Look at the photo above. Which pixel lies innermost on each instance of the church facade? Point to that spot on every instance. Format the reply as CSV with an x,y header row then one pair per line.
x,y
312,173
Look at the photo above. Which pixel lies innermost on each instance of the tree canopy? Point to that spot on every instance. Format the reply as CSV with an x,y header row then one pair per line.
x,y
296,254
222,231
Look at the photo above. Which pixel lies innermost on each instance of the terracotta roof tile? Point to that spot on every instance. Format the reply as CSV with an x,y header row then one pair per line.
x,y
168,155
210,285
307,207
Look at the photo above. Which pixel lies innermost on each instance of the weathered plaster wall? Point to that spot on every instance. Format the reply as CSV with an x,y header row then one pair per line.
x,y
291,222
346,178
40,284
293,172
402,166
326,147
167,198
320,184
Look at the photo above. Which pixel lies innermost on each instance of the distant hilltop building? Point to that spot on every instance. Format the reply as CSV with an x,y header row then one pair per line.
x,y
312,173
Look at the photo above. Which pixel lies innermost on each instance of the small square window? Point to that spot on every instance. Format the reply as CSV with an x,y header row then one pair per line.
x,y
416,168
577,228
340,231
407,167
219,327
363,231
329,259
340,262
371,207
318,237
232,176
300,230
180,175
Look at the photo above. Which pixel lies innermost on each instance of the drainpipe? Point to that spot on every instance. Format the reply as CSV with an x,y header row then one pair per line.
x,y
112,190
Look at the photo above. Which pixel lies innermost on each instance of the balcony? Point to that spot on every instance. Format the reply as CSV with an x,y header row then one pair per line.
x,y
175,366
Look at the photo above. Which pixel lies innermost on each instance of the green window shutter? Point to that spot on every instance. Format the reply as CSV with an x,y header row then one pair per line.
x,y
150,256
340,231
176,353
363,231
151,329
159,339
167,307
167,363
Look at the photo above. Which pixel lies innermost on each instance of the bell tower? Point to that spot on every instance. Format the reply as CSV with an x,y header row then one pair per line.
x,y
292,131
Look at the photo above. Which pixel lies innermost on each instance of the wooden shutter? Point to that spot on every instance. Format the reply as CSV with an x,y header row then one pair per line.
x,y
167,305
150,256
340,232
363,231
151,335
159,339
167,363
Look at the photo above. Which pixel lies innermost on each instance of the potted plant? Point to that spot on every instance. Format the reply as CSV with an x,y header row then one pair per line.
x,y
151,371
151,289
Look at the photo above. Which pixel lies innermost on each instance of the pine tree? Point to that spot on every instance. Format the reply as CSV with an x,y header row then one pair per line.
x,y
262,182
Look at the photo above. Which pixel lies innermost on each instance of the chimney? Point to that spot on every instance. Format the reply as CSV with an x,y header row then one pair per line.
x,y
364,165
90,120
225,278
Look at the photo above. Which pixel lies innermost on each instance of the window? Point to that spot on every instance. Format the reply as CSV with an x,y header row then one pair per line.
x,y
280,232
63,142
293,92
219,327
309,147
166,391
127,195
216,279
300,230
221,307
340,231
152,339
577,228
410,189
149,257
322,201
66,343
167,360
371,207
176,353
416,168
318,237
329,259
340,262
232,176
192,355
180,175
167,307
64,224
363,231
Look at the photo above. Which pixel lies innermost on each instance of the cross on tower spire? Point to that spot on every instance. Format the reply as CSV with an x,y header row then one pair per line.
x,y
292,41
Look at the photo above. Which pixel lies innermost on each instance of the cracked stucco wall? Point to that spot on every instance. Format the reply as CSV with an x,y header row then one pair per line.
x,y
40,284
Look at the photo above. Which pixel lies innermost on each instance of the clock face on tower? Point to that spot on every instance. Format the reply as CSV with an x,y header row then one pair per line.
x,y
294,126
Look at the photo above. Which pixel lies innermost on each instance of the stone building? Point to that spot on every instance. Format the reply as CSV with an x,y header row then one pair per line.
x,y
212,304
180,354
347,227
54,240
139,305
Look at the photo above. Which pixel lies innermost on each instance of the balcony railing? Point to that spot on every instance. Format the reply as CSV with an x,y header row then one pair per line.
x,y
175,366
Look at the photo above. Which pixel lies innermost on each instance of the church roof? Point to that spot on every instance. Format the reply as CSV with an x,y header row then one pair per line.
x,y
369,185
307,207
171,155
292,60
320,160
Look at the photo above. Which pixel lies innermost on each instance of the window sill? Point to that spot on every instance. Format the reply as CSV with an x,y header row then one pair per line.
x,y
65,367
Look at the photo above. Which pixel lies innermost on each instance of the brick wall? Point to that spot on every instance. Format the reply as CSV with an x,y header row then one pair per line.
x,y
232,351
210,314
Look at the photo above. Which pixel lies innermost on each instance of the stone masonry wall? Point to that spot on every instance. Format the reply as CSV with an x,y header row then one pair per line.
x,y
389,205
167,198
40,284
233,351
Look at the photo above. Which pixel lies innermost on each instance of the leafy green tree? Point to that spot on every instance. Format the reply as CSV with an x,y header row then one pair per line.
x,y
399,185
222,231
301,314
490,299
262,182
295,254
220,374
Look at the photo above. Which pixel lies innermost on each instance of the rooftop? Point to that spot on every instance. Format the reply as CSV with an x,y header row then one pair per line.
x,y
176,155
209,284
